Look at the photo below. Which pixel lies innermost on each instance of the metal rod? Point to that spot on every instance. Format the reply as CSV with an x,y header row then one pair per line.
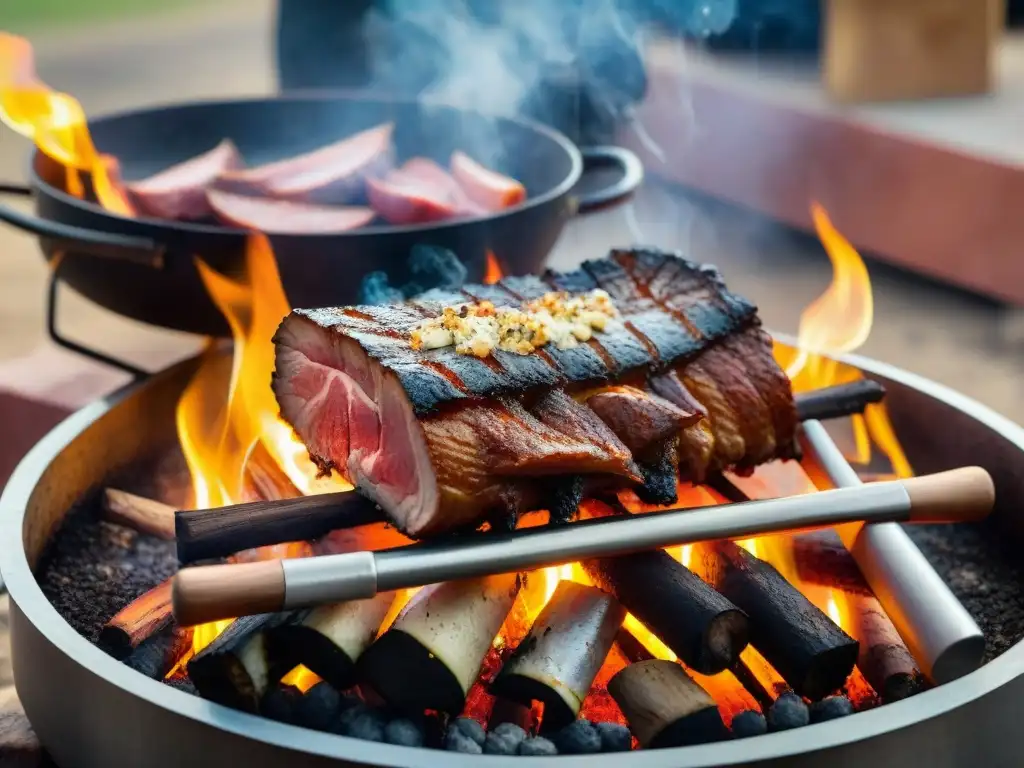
x,y
207,593
838,401
939,631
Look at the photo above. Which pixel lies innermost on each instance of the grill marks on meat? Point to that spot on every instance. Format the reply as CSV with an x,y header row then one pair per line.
x,y
444,440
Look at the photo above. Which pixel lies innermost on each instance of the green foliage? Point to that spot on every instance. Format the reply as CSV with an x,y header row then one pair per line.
x,y
23,16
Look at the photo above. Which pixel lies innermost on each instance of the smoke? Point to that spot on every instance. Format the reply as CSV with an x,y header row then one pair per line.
x,y
577,65
574,64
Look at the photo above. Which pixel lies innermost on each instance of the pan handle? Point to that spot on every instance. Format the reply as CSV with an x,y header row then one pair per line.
x,y
92,242
631,172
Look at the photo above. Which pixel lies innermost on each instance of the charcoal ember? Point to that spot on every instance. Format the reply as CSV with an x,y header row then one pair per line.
x,y
749,723
469,728
154,656
537,746
457,741
578,738
435,267
182,684
499,744
510,731
404,732
320,708
504,739
362,722
830,708
281,703
615,737
788,711
376,289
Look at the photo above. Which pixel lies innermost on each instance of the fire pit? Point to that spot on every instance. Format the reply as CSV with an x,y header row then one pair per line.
x,y
66,571
724,650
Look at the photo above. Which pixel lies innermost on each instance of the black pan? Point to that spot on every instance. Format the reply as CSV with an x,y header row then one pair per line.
x,y
144,268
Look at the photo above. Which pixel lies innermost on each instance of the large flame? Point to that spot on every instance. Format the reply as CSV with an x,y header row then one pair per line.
x,y
839,322
229,406
57,124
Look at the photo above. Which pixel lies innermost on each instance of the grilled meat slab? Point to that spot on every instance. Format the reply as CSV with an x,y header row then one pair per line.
x,y
443,440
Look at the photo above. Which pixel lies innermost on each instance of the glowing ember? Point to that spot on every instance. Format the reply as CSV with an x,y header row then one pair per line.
x,y
301,678
56,123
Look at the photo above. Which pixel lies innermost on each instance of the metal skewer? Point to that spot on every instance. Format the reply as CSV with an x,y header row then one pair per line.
x,y
937,629
208,593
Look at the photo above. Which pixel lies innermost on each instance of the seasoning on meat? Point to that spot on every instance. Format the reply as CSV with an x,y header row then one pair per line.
x,y
480,328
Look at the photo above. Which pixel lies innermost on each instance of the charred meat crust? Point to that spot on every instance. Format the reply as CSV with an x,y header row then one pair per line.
x,y
680,312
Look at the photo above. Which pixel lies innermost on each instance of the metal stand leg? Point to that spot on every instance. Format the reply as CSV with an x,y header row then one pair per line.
x,y
51,327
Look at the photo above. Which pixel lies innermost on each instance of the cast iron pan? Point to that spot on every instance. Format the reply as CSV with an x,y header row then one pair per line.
x,y
145,268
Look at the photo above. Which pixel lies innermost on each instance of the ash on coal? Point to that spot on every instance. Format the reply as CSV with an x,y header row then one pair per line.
x,y
982,567
92,569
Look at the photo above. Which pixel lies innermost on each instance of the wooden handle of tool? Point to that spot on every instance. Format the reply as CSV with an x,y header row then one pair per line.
x,y
956,496
214,592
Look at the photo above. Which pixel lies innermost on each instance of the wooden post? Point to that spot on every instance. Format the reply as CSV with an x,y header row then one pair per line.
x,y
882,50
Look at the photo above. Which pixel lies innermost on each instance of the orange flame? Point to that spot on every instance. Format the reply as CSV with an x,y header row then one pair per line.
x,y
493,273
839,322
217,439
57,124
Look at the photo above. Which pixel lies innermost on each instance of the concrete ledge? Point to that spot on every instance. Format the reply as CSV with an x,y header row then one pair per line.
x,y
934,187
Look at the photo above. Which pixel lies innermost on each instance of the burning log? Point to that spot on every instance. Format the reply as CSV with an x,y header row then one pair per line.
x,y
155,656
702,628
556,663
139,513
235,669
208,534
328,640
752,684
432,654
268,480
804,645
839,401
137,622
884,658
940,633
665,707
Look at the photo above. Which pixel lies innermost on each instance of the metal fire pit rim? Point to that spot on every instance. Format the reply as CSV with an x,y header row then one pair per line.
x,y
29,600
